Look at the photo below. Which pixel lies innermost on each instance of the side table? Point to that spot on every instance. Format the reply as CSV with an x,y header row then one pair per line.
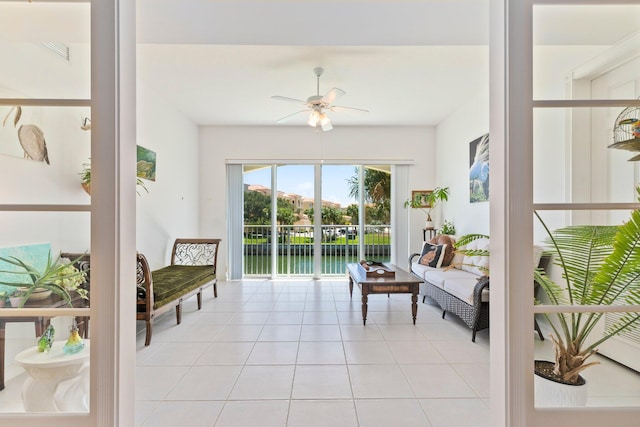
x,y
431,231
57,382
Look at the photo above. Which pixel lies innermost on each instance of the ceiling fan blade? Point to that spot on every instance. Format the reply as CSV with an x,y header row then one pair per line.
x,y
285,118
332,95
337,108
285,98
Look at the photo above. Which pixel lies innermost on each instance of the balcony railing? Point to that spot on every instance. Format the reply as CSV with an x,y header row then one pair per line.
x,y
296,248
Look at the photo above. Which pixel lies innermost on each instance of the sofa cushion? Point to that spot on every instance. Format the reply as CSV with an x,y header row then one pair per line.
x,y
462,288
477,264
420,270
438,277
449,251
432,255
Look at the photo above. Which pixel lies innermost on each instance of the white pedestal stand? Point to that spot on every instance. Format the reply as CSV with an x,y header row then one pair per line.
x,y
57,382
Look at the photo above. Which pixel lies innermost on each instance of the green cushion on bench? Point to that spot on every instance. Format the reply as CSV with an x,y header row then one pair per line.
x,y
174,281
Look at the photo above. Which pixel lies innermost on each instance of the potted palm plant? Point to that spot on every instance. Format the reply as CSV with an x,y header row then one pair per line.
x,y
600,266
428,201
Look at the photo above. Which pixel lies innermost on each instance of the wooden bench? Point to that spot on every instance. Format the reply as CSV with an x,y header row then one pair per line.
x,y
192,269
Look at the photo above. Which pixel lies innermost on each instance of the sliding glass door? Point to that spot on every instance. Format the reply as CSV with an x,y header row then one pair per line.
x,y
319,218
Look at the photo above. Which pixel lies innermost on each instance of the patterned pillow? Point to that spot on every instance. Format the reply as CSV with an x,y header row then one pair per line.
x,y
432,255
444,239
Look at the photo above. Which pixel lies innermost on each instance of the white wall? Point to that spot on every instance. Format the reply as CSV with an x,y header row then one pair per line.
x,y
170,209
358,144
467,123
552,67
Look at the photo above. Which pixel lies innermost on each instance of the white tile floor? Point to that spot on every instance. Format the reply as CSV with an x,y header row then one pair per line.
x,y
295,353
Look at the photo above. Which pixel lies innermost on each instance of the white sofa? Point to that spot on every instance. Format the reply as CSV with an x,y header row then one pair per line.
x,y
462,288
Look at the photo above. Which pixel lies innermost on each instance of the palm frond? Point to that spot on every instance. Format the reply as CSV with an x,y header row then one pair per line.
x,y
620,271
468,238
581,250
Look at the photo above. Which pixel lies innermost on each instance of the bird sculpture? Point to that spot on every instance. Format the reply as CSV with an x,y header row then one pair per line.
x,y
31,138
635,126
46,340
86,124
32,141
622,132
74,344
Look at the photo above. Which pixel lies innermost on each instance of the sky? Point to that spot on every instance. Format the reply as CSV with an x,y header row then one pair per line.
x,y
298,179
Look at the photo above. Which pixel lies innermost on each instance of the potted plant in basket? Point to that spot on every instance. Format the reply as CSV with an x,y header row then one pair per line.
x,y
600,266
56,277
85,180
426,201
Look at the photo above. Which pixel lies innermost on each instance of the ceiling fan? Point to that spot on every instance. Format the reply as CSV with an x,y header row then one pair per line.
x,y
317,105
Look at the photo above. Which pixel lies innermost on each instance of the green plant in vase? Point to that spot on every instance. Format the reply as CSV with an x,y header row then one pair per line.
x,y
448,228
57,277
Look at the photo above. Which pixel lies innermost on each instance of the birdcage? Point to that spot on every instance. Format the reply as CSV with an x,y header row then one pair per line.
x,y
626,131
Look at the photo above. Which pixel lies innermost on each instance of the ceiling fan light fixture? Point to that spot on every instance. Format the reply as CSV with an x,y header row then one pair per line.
x,y
325,122
316,104
314,118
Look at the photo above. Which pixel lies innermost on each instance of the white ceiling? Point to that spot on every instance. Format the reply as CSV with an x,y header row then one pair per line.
x,y
233,85
408,62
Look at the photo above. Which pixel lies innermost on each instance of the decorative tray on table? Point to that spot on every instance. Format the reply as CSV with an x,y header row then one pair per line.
x,y
376,269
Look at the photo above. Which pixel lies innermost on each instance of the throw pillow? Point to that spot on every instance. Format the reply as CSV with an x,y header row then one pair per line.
x,y
449,252
432,255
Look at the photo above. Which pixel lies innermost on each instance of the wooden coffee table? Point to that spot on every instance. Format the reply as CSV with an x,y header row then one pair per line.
x,y
402,283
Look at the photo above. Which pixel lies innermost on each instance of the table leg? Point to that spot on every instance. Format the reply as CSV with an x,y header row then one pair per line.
x,y
350,286
365,298
41,323
414,306
2,326
83,326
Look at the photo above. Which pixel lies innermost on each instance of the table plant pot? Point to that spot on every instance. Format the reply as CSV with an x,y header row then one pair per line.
x,y
16,301
551,391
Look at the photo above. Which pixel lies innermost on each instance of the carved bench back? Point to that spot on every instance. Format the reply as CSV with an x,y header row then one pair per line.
x,y
195,252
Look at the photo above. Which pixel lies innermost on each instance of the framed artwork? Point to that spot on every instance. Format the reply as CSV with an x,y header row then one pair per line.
x,y
479,169
35,255
420,198
146,163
